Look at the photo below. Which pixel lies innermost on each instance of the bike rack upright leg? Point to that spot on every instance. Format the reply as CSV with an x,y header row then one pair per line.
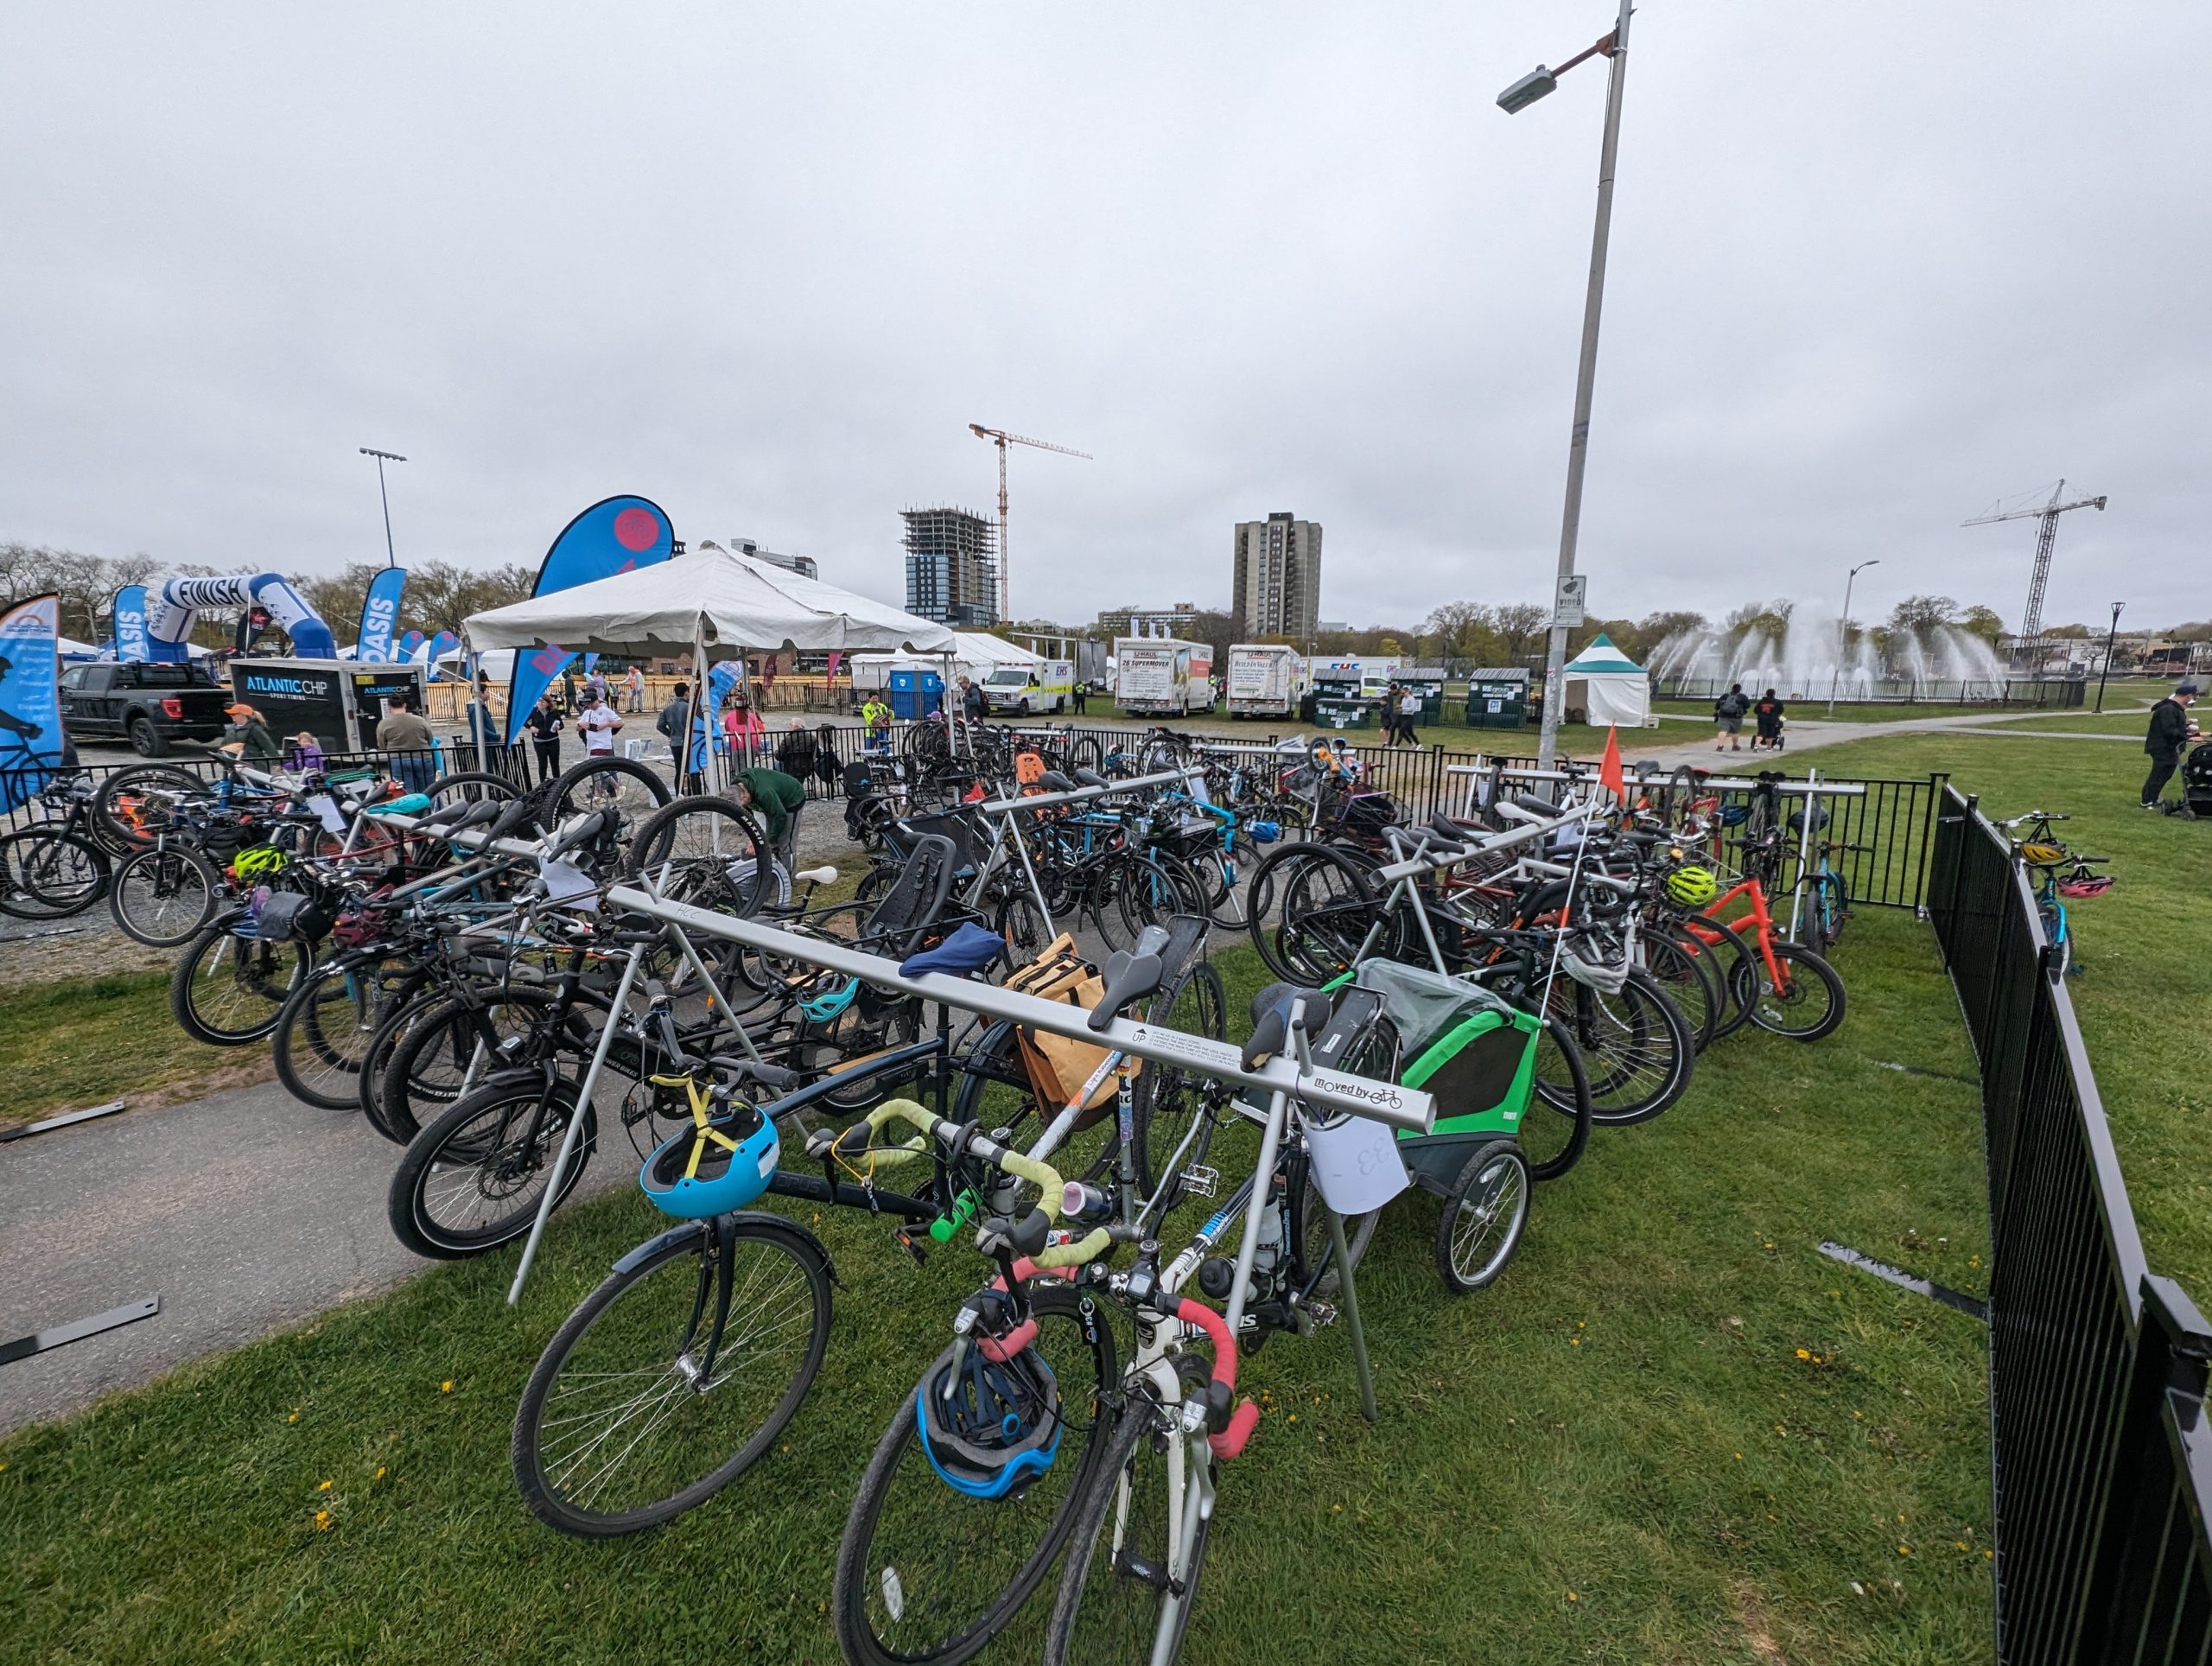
x,y
576,1122
1351,1314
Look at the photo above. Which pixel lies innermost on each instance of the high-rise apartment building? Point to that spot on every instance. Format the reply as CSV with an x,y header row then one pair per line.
x,y
1278,576
952,569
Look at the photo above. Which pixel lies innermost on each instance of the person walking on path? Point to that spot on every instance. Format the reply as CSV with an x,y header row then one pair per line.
x,y
407,737
545,726
971,700
2170,731
776,798
635,683
1728,719
1766,718
1408,709
598,724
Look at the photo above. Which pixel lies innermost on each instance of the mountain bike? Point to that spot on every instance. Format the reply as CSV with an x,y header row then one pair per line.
x,y
2055,873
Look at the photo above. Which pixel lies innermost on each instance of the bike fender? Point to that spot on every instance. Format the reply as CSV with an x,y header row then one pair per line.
x,y
784,1226
654,1245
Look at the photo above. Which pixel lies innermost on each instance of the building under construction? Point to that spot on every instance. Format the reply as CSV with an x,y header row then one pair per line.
x,y
952,569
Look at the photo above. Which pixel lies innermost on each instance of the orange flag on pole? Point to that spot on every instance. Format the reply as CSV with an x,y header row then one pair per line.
x,y
1608,767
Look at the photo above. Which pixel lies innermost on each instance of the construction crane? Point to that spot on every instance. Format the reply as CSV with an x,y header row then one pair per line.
x,y
2046,537
1001,439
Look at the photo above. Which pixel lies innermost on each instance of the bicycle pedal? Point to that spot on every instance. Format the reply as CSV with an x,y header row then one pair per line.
x,y
1313,1313
1200,1180
913,1246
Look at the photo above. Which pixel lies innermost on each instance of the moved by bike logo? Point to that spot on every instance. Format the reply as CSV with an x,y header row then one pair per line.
x,y
1380,1094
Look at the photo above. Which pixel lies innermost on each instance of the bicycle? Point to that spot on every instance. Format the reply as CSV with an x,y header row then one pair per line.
x,y
2057,873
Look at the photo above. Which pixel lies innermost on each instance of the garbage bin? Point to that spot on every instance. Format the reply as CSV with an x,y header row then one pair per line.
x,y
1497,702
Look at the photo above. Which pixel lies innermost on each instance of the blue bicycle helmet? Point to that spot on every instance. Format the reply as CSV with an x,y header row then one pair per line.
x,y
711,1171
988,1425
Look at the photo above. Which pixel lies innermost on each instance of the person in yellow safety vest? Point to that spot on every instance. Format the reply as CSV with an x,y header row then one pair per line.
x,y
876,719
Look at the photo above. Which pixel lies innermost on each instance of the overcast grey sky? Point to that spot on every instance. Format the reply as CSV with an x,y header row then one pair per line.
x,y
1874,267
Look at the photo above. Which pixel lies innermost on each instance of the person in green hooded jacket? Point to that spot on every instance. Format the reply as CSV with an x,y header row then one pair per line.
x,y
776,798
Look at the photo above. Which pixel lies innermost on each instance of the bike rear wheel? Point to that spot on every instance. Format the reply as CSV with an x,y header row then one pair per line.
x,y
49,873
624,1427
1635,1044
1807,1004
230,989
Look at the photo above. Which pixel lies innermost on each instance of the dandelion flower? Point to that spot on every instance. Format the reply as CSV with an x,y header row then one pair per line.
x,y
446,1387
1802,1354
379,1475
1571,1597
325,1487
1904,1550
321,1520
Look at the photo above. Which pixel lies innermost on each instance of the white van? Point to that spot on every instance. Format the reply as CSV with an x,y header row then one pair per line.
x,y
1048,685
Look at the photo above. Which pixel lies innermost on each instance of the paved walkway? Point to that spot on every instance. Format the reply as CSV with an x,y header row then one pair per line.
x,y
1808,734
245,1212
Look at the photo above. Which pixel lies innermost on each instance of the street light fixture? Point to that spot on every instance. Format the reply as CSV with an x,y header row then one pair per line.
x,y
1518,97
1843,625
383,457
2111,636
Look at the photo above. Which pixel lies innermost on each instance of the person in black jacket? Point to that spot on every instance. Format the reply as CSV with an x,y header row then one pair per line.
x,y
545,725
2169,734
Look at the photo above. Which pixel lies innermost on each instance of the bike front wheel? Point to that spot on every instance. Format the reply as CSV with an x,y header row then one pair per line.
x,y
926,1574
654,1395
474,1179
1132,1575
161,896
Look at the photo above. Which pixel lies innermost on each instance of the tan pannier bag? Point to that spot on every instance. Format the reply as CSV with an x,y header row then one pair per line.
x,y
1058,1066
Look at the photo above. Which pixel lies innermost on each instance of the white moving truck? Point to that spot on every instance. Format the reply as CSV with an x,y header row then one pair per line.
x,y
1265,679
1048,685
1159,677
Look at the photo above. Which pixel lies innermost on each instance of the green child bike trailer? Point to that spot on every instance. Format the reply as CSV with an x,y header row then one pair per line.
x,y
1475,1053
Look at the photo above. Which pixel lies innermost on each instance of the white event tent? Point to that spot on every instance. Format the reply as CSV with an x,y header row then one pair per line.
x,y
977,655
711,604
1608,686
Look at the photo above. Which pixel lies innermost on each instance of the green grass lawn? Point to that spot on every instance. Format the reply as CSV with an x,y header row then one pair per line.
x,y
2146,985
1673,1432
2119,717
80,1041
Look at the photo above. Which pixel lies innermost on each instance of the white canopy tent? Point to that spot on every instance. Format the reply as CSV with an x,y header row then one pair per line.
x,y
977,655
1608,686
709,598
712,605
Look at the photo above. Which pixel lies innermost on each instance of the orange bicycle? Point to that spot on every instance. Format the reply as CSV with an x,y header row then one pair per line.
x,y
1780,986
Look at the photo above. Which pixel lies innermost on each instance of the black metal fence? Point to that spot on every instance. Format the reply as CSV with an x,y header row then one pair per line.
x,y
2100,1451
2048,693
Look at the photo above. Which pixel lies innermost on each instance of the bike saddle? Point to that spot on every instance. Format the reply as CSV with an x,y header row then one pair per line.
x,y
743,1069
1131,975
516,816
970,949
581,829
1271,1026
1053,781
1090,778
1534,805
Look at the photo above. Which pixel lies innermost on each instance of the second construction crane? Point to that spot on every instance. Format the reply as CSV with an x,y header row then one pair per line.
x,y
2046,537
1001,438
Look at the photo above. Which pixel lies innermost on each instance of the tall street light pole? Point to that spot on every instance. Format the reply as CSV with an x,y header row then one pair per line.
x,y
383,457
1843,627
1516,98
2111,636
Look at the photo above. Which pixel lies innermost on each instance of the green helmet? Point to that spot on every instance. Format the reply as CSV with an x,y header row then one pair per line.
x,y
259,862
1692,886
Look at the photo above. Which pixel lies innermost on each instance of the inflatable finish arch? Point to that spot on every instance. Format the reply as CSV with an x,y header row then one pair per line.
x,y
169,623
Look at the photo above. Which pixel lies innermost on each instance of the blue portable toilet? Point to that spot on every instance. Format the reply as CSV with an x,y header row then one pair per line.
x,y
916,694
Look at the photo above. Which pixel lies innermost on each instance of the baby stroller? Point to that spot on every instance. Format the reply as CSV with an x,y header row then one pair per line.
x,y
2197,781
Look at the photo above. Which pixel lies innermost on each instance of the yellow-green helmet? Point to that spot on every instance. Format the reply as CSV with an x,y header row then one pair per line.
x,y
259,862
1692,886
